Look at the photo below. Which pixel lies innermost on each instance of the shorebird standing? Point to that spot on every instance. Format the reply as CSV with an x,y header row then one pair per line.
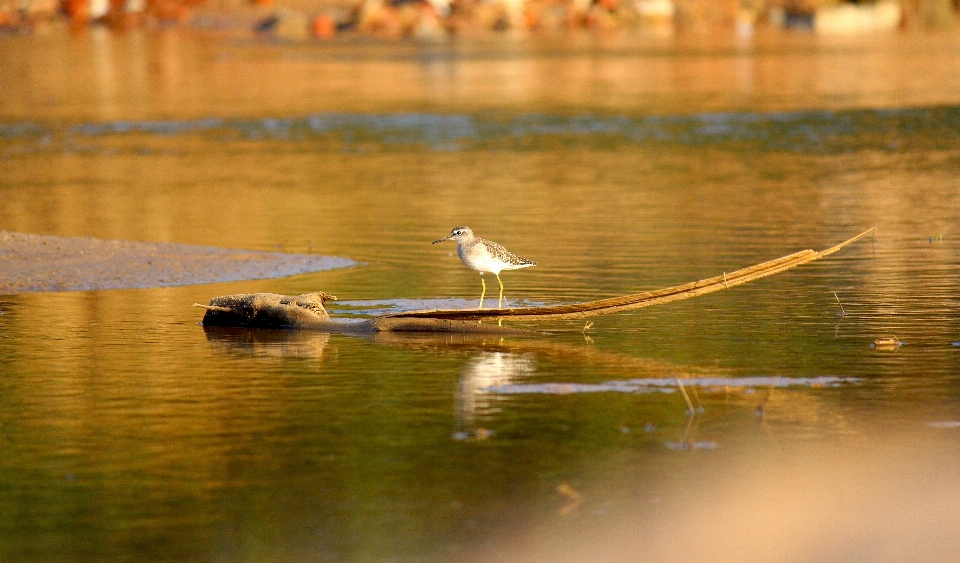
x,y
485,256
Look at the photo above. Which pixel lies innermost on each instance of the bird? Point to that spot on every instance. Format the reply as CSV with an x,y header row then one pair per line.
x,y
485,256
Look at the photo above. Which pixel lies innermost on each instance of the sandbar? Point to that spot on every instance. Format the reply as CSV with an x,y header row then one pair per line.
x,y
33,263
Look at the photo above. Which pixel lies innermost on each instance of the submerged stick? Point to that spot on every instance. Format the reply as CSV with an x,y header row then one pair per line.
x,y
635,301
843,312
686,398
213,308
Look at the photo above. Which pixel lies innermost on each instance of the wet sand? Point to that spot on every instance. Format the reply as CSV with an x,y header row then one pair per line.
x,y
32,263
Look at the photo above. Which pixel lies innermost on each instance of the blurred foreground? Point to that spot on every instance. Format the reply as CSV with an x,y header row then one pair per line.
x,y
896,503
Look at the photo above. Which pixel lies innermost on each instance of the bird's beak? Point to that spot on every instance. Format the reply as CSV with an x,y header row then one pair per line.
x,y
441,240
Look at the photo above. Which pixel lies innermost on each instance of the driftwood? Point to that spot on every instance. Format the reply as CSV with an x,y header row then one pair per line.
x,y
635,301
268,310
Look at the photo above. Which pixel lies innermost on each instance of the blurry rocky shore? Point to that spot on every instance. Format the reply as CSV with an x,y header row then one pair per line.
x,y
438,20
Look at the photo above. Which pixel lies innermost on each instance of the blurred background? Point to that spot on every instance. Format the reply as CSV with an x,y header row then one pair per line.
x,y
301,20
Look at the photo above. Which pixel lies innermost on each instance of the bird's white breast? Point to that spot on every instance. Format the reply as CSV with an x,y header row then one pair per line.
x,y
477,258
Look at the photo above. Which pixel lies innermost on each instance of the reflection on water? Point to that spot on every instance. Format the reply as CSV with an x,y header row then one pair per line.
x,y
269,343
127,430
690,440
666,385
142,74
488,369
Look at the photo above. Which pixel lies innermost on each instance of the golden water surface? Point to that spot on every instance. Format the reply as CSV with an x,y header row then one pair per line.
x,y
130,432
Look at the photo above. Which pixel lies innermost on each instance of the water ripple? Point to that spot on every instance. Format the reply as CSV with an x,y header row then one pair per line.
x,y
803,131
668,385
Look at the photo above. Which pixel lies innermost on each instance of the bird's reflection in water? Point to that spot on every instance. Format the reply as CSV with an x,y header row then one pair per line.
x,y
492,362
487,369
269,343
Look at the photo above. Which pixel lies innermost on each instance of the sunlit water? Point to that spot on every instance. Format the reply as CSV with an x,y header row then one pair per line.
x,y
130,432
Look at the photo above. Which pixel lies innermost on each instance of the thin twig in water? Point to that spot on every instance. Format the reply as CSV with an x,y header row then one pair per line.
x,y
587,327
214,308
686,397
843,312
696,396
573,496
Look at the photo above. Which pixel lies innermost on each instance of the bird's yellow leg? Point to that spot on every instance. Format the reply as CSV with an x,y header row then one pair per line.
x,y
482,293
500,301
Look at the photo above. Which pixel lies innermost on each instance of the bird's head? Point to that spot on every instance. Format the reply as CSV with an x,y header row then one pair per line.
x,y
458,234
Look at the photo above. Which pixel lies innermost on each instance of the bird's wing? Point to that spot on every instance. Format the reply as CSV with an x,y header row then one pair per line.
x,y
504,255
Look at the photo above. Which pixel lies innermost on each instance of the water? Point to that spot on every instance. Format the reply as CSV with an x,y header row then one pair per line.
x,y
128,431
